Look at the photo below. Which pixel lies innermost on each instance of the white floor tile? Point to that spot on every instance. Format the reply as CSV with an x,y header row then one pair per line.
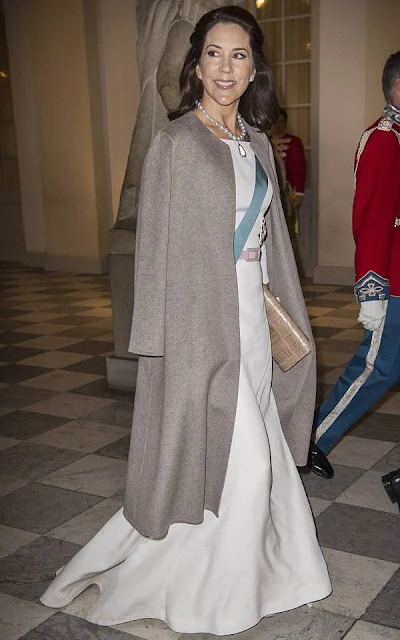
x,y
19,616
331,358
82,604
356,581
318,505
12,539
82,528
80,435
332,321
149,629
368,492
361,453
96,475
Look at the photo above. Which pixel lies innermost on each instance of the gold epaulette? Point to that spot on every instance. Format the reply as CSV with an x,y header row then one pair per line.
x,y
385,124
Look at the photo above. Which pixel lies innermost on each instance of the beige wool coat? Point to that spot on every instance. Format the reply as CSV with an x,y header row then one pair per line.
x,y
185,328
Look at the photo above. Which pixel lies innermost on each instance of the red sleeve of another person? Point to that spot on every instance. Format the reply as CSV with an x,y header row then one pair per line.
x,y
375,208
296,167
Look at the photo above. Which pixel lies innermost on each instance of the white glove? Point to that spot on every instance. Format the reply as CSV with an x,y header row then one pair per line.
x,y
372,314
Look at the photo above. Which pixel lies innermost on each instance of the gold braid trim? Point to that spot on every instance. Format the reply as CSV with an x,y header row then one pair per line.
x,y
364,140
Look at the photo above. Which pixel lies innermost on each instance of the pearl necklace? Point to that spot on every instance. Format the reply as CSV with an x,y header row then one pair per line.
x,y
228,132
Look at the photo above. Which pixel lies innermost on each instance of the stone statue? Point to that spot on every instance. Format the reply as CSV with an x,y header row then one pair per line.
x,y
164,29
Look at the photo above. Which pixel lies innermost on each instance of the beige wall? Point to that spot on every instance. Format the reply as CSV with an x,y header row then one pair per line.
x,y
341,111
383,37
60,70
30,223
121,87
76,92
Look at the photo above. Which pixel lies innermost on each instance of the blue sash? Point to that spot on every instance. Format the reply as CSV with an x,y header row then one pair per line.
x,y
243,230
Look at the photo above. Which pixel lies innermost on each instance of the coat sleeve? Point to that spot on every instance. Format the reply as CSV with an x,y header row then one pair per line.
x,y
148,320
374,213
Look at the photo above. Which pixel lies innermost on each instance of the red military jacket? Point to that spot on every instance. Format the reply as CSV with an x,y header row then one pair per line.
x,y
295,162
376,209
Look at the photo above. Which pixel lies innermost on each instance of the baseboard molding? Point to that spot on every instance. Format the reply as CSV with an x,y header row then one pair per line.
x,y
334,275
34,259
73,264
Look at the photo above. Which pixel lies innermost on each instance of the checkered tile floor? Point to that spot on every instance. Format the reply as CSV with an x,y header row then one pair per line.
x,y
63,447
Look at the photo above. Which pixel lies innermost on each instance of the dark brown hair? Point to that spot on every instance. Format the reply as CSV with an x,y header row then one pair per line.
x,y
259,104
391,71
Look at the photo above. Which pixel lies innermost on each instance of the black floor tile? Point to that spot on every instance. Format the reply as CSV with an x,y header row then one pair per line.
x,y
118,449
89,347
95,365
23,425
85,333
57,291
11,313
325,332
322,369
30,460
312,295
389,462
384,610
14,337
74,321
349,528
61,626
100,389
118,413
318,487
345,289
12,325
18,396
14,353
342,346
28,572
378,426
323,391
67,309
14,373
325,302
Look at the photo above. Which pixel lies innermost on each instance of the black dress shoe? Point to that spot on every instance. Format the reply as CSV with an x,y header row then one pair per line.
x,y
391,482
319,463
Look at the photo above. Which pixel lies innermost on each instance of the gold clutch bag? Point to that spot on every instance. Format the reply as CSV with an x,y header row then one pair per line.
x,y
288,343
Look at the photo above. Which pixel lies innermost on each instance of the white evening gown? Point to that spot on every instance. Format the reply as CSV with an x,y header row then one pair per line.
x,y
261,555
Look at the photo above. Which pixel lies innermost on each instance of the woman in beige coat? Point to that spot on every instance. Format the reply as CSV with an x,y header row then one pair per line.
x,y
216,532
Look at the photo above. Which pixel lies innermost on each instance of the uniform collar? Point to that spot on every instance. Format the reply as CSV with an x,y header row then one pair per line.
x,y
391,112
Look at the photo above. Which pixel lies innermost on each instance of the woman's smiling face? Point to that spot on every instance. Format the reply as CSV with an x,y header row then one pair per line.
x,y
226,64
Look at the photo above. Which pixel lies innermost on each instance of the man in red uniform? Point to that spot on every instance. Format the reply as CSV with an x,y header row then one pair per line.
x,y
291,150
375,367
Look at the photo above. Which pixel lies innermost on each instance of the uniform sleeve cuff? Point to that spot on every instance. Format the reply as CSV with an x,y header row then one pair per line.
x,y
371,287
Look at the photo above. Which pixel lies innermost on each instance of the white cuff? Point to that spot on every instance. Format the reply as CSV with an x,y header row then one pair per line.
x,y
372,314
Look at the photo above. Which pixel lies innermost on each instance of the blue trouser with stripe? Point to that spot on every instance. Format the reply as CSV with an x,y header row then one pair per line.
x,y
372,371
